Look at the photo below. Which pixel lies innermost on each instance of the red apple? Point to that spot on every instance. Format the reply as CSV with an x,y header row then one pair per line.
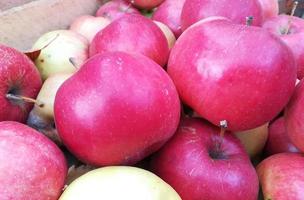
x,y
254,140
18,76
278,140
279,25
169,13
294,117
222,79
115,9
89,26
236,10
270,8
132,34
118,109
199,164
282,176
31,166
145,4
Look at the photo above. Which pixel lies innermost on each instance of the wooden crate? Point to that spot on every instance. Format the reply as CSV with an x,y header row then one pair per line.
x,y
23,21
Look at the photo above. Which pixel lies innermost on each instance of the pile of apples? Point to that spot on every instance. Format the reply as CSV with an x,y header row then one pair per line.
x,y
201,100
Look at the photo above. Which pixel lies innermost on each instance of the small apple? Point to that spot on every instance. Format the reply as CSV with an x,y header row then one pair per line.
x,y
200,164
291,30
145,4
236,10
41,117
169,13
294,117
117,109
19,78
57,48
254,140
278,140
221,79
32,167
89,26
117,183
270,8
168,33
282,176
116,9
132,34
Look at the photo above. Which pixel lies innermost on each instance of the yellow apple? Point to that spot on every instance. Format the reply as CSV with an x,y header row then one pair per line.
x,y
119,183
57,48
254,140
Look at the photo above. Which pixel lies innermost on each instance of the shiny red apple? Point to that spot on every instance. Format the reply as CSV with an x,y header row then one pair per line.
x,y
226,77
169,13
118,109
236,10
294,117
282,176
115,9
270,8
199,164
31,166
291,30
145,4
278,140
18,76
132,34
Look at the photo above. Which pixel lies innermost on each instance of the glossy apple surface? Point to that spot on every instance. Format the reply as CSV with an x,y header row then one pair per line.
x,y
169,13
145,4
254,140
279,25
294,117
18,76
282,176
123,35
199,164
60,46
117,183
278,140
226,80
115,9
270,8
118,109
31,166
236,10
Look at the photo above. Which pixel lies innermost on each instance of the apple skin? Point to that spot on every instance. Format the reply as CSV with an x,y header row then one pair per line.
x,y
151,41
167,32
115,9
119,182
278,140
294,117
278,24
145,4
169,13
62,45
254,140
187,164
32,167
270,8
228,80
236,10
89,26
18,76
282,176
125,107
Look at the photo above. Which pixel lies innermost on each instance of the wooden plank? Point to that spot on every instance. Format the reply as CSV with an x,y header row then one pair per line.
x,y
6,4
21,26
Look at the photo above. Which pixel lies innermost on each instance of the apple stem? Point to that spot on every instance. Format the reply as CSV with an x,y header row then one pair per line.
x,y
23,98
249,20
74,63
294,7
224,126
